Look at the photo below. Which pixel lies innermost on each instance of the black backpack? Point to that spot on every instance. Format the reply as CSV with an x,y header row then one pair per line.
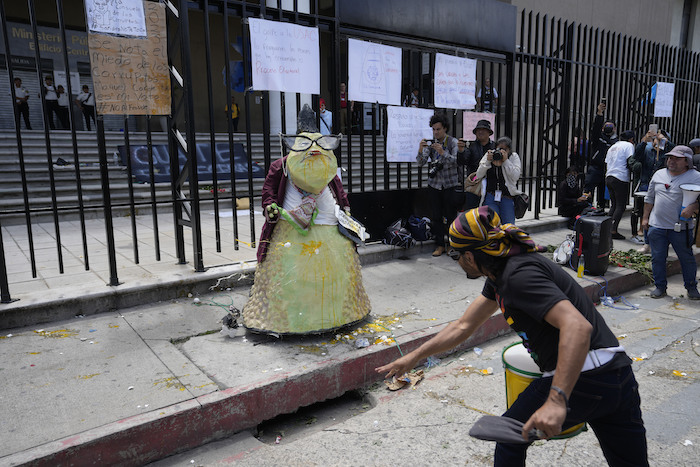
x,y
419,228
397,235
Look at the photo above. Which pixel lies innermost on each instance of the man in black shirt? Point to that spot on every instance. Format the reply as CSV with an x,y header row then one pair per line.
x,y
587,375
470,156
603,135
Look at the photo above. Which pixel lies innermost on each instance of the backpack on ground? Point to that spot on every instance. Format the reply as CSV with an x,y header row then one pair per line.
x,y
419,227
397,235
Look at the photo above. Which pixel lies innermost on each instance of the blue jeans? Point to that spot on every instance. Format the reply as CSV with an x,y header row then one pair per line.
x,y
505,208
659,239
609,401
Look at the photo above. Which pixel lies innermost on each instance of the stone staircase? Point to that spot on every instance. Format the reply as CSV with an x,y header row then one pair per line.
x,y
86,167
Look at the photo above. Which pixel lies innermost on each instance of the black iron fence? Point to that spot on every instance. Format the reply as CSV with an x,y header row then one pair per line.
x,y
548,87
563,70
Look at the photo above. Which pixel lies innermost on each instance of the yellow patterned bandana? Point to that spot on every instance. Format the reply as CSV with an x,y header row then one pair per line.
x,y
481,229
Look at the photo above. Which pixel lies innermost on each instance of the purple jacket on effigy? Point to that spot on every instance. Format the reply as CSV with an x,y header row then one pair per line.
x,y
273,191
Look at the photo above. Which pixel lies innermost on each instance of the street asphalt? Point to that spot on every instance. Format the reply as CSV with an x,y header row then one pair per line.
x,y
139,384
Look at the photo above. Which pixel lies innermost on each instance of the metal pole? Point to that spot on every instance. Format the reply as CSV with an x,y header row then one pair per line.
x,y
107,200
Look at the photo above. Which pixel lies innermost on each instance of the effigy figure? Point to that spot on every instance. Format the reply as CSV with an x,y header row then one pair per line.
x,y
308,277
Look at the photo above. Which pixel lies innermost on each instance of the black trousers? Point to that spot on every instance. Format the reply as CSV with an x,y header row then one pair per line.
x,y
52,108
619,194
443,204
88,113
23,109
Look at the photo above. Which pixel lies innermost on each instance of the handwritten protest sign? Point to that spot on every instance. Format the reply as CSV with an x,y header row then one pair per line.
x,y
285,57
374,72
131,76
121,17
663,107
455,82
470,119
406,127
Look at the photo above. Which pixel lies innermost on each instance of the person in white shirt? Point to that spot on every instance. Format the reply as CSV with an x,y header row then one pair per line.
x,y
86,102
326,123
21,106
63,103
617,178
51,99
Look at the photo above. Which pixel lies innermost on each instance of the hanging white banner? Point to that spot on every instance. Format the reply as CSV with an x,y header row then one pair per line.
x,y
663,105
455,82
374,72
406,127
285,57
121,17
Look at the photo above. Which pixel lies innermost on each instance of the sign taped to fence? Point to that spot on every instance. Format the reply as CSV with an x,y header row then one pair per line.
x,y
121,17
406,127
374,72
455,82
131,76
285,57
469,121
663,105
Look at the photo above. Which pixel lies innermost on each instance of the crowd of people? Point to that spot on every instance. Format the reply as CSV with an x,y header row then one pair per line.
x,y
652,170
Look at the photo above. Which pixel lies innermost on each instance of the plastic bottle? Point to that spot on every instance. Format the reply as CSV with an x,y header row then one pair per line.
x,y
579,270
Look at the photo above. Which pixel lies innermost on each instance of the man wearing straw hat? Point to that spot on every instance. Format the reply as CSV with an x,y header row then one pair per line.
x,y
587,376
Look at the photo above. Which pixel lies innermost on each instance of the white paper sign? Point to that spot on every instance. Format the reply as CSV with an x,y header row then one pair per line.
x,y
469,121
663,106
59,77
406,127
374,72
122,17
455,82
285,57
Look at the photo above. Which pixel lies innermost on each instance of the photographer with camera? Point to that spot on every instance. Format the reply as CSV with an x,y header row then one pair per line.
x,y
470,155
502,168
440,154
668,224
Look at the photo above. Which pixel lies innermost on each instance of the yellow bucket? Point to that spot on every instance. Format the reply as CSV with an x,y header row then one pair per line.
x,y
521,370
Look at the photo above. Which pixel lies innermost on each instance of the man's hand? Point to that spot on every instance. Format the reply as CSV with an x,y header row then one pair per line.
x,y
398,367
461,145
689,211
423,145
549,418
645,223
583,197
438,148
601,108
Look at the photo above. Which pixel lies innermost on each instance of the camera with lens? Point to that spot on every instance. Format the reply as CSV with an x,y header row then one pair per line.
x,y
497,155
435,167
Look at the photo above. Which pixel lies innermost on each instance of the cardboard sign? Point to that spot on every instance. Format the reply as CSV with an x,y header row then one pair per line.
x,y
406,127
469,121
285,57
374,72
121,17
131,76
455,82
663,107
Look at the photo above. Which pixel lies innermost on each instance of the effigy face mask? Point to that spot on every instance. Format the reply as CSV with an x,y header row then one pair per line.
x,y
310,166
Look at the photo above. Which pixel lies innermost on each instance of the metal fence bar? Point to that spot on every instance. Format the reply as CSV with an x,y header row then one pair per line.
x,y
47,139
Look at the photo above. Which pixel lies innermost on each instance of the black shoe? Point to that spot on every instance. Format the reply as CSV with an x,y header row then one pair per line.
x,y
693,294
618,236
658,293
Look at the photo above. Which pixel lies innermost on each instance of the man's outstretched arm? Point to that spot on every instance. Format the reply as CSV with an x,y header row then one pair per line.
x,y
455,333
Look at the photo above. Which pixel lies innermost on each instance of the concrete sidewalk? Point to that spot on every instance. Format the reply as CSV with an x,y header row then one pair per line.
x,y
53,295
140,384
